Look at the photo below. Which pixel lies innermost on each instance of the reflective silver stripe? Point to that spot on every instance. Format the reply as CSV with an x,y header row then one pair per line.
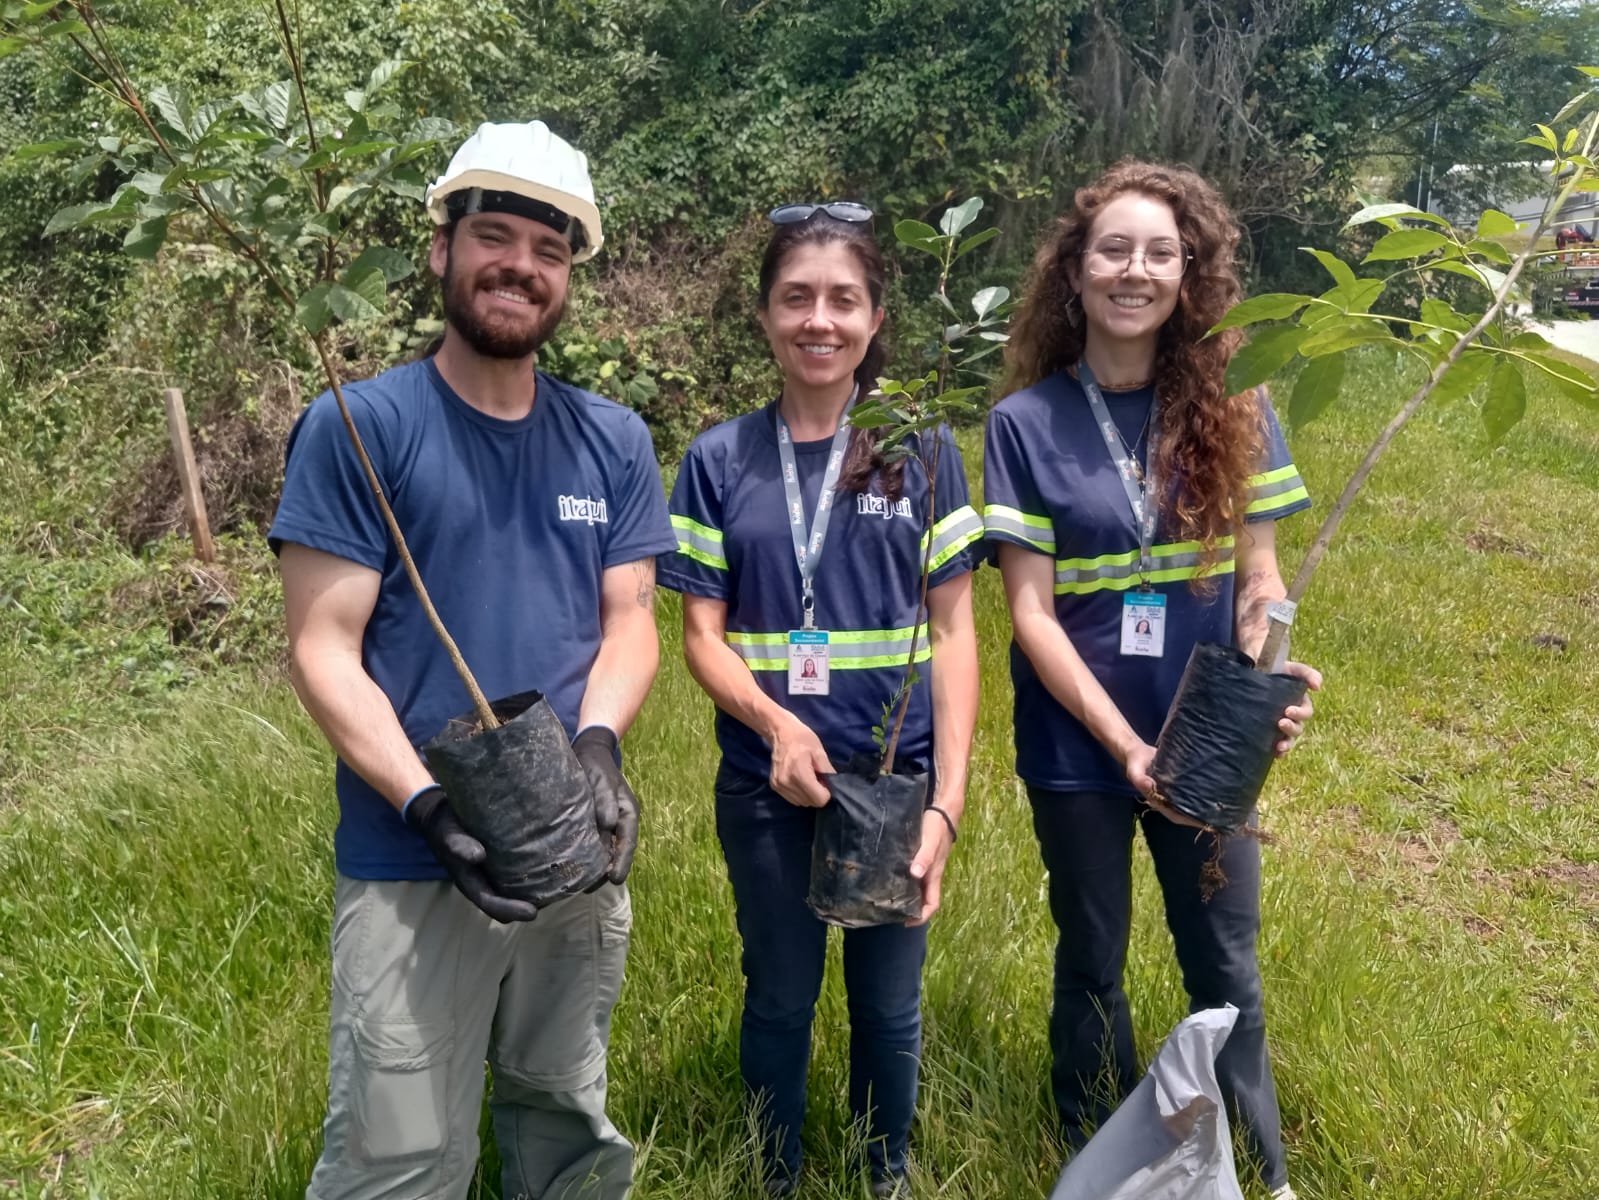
x,y
769,651
1080,575
1277,487
701,548
955,532
1035,531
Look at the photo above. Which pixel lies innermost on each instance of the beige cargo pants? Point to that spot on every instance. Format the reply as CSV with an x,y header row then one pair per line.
x,y
425,988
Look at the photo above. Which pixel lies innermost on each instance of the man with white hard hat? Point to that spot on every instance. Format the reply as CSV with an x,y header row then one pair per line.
x,y
534,512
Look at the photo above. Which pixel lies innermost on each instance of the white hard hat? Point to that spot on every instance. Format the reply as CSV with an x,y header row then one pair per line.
x,y
521,169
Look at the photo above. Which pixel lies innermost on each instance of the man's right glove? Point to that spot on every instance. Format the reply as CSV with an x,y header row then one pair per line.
x,y
459,853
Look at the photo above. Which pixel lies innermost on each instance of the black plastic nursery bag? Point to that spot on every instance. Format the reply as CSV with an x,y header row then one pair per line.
x,y
520,791
866,837
1217,744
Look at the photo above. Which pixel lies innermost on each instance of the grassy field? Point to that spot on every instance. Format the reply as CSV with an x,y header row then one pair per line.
x,y
1432,898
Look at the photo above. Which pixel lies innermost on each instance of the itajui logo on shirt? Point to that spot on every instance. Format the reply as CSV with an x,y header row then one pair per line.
x,y
868,505
584,508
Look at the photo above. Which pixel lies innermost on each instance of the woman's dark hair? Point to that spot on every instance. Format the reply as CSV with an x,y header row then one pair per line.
x,y
862,461
1210,441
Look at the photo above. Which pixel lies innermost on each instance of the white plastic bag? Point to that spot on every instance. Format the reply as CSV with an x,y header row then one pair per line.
x,y
1169,1140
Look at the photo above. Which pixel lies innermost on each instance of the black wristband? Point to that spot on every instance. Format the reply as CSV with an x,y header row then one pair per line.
x,y
952,834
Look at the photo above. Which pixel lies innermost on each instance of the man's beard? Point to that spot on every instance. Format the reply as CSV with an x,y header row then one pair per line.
x,y
495,338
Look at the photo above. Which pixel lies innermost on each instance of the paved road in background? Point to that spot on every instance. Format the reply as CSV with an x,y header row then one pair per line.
x,y
1578,337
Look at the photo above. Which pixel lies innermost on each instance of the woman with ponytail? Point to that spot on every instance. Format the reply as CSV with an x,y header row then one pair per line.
x,y
799,559
1132,504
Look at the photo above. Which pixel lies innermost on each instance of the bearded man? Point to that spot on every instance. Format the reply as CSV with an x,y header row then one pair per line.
x,y
534,512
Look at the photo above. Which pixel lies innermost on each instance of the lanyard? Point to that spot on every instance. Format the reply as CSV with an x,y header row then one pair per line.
x,y
808,548
1138,485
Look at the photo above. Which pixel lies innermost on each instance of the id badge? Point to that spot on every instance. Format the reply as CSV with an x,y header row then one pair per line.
x,y
1144,624
807,662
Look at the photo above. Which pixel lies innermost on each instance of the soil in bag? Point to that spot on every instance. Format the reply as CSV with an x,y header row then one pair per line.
x,y
866,837
1218,742
520,791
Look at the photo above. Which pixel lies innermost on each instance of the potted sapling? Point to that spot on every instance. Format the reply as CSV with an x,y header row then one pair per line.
x,y
870,830
280,182
1216,748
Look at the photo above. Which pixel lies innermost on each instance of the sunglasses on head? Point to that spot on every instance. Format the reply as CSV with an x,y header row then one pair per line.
x,y
839,210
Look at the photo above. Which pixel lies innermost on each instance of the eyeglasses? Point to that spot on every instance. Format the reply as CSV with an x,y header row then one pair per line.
x,y
1162,260
839,210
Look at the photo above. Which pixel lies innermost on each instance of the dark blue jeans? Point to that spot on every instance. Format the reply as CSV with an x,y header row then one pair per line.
x,y
767,843
1087,839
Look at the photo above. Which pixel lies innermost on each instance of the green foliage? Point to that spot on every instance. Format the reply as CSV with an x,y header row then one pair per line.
x,y
1464,351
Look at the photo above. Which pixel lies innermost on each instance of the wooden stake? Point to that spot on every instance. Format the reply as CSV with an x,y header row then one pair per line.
x,y
188,475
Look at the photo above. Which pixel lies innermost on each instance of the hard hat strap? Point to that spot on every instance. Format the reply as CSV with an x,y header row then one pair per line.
x,y
484,200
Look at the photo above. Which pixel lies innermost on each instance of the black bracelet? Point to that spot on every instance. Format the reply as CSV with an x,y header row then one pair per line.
x,y
952,834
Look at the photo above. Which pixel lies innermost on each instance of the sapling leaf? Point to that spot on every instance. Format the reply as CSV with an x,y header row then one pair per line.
x,y
971,243
1568,379
313,309
46,149
1468,373
1265,354
990,298
1490,250
1494,223
919,235
1273,306
385,71
1506,402
1483,276
151,183
1364,294
1344,334
173,105
1385,213
393,265
1406,243
1343,275
144,240
1574,105
1316,388
353,305
960,216
276,99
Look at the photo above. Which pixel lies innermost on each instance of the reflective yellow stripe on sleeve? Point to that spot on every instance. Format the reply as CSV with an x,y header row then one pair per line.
x,y
952,534
1038,532
699,542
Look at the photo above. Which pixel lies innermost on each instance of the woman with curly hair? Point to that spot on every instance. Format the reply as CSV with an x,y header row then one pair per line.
x,y
1131,504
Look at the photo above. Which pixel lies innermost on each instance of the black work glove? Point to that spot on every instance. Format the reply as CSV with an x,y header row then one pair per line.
x,y
459,853
615,805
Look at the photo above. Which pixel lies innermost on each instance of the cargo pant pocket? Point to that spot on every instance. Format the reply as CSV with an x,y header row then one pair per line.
x,y
402,1077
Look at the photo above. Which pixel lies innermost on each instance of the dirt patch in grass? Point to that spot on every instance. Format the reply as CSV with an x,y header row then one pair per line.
x,y
1487,540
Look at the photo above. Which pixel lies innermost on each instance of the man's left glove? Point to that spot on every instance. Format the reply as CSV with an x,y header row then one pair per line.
x,y
615,806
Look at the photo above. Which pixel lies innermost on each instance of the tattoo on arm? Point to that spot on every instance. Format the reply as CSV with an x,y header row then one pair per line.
x,y
644,577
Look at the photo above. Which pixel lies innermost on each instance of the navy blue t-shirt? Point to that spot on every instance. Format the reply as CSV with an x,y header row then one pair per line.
x,y
511,524
734,544
1049,486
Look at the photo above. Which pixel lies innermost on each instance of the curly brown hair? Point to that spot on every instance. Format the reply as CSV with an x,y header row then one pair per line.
x,y
1210,442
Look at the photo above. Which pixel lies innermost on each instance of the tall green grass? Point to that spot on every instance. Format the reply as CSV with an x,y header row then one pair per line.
x,y
1432,897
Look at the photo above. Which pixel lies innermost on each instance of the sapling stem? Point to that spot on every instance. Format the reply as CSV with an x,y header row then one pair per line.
x,y
1277,629
931,463
104,58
